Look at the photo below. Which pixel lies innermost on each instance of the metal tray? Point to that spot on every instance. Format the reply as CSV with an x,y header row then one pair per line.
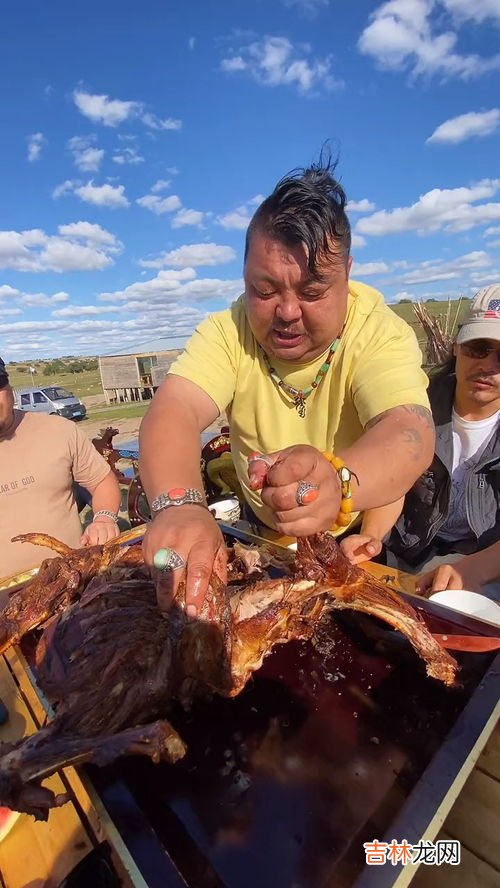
x,y
331,745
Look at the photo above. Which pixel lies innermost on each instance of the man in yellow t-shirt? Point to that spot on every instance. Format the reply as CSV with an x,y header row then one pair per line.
x,y
305,363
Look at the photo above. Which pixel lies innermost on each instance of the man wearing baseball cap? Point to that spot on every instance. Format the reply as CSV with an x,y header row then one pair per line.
x,y
453,510
41,457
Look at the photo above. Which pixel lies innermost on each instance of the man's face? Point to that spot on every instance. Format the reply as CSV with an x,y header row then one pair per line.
x,y
293,316
6,408
478,370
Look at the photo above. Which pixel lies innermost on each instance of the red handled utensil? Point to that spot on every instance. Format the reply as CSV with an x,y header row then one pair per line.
x,y
474,643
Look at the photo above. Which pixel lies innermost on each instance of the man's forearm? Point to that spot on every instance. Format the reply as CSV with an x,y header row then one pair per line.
x,y
169,447
394,450
106,495
378,522
486,563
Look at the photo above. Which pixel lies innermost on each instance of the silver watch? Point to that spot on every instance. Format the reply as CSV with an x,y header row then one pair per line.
x,y
177,496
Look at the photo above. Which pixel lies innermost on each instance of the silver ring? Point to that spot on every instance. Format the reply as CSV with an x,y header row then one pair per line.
x,y
303,488
261,458
168,559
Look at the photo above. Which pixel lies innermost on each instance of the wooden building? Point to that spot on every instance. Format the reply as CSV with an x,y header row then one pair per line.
x,y
134,376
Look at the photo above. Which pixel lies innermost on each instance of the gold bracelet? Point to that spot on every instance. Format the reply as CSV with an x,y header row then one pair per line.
x,y
345,478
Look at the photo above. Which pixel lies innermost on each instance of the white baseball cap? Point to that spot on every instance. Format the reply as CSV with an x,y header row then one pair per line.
x,y
483,318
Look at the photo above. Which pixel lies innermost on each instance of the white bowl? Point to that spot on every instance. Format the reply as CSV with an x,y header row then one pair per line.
x,y
469,603
227,510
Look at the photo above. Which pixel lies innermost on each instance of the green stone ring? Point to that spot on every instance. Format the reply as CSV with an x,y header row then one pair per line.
x,y
168,559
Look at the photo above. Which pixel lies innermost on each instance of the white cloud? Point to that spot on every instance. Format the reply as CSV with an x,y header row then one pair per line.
x,y
127,156
310,8
102,109
492,231
160,185
33,300
405,35
156,123
367,269
159,205
169,286
107,195
478,11
191,256
238,219
90,232
113,112
451,209
360,206
458,272
35,144
10,312
191,42
79,246
466,126
64,188
275,61
187,217
79,311
234,63
357,240
86,156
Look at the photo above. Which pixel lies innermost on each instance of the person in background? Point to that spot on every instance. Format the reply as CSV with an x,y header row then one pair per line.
x,y
41,457
321,381
452,510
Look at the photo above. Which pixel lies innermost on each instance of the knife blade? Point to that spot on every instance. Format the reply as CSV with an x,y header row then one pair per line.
x,y
474,643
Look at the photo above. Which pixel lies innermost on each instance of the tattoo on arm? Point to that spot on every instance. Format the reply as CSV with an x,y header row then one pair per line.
x,y
422,413
414,439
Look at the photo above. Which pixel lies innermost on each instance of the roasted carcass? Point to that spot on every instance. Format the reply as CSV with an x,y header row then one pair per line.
x,y
58,583
111,661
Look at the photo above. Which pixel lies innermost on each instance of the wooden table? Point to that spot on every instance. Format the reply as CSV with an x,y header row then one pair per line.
x,y
40,855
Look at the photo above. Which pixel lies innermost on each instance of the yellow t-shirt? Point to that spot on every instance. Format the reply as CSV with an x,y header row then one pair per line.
x,y
377,366
39,461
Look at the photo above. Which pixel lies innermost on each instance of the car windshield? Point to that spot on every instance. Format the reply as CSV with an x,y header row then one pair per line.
x,y
56,393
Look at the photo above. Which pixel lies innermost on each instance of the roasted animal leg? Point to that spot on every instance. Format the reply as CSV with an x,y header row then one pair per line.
x,y
351,588
24,765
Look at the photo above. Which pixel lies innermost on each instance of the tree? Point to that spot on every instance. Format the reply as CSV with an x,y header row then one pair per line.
x,y
405,301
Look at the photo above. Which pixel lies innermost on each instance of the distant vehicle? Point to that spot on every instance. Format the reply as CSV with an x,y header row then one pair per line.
x,y
50,399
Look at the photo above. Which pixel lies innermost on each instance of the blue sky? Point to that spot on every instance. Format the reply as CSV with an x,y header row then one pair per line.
x,y
138,138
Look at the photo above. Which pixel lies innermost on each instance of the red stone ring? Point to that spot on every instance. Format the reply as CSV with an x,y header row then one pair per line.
x,y
306,493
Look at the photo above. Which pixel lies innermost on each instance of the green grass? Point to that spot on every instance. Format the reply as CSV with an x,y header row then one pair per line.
x,y
437,309
81,384
124,411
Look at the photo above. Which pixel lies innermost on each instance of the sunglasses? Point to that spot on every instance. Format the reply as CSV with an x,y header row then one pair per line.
x,y
479,349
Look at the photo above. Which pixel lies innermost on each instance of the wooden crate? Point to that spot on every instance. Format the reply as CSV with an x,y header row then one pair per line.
x,y
42,854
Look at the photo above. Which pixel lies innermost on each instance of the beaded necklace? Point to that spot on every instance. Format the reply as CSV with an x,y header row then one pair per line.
x,y
299,396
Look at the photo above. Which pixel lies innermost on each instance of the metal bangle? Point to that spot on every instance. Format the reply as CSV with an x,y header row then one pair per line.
x,y
106,513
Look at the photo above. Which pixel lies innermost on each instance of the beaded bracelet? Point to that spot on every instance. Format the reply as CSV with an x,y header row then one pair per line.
x,y
345,477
